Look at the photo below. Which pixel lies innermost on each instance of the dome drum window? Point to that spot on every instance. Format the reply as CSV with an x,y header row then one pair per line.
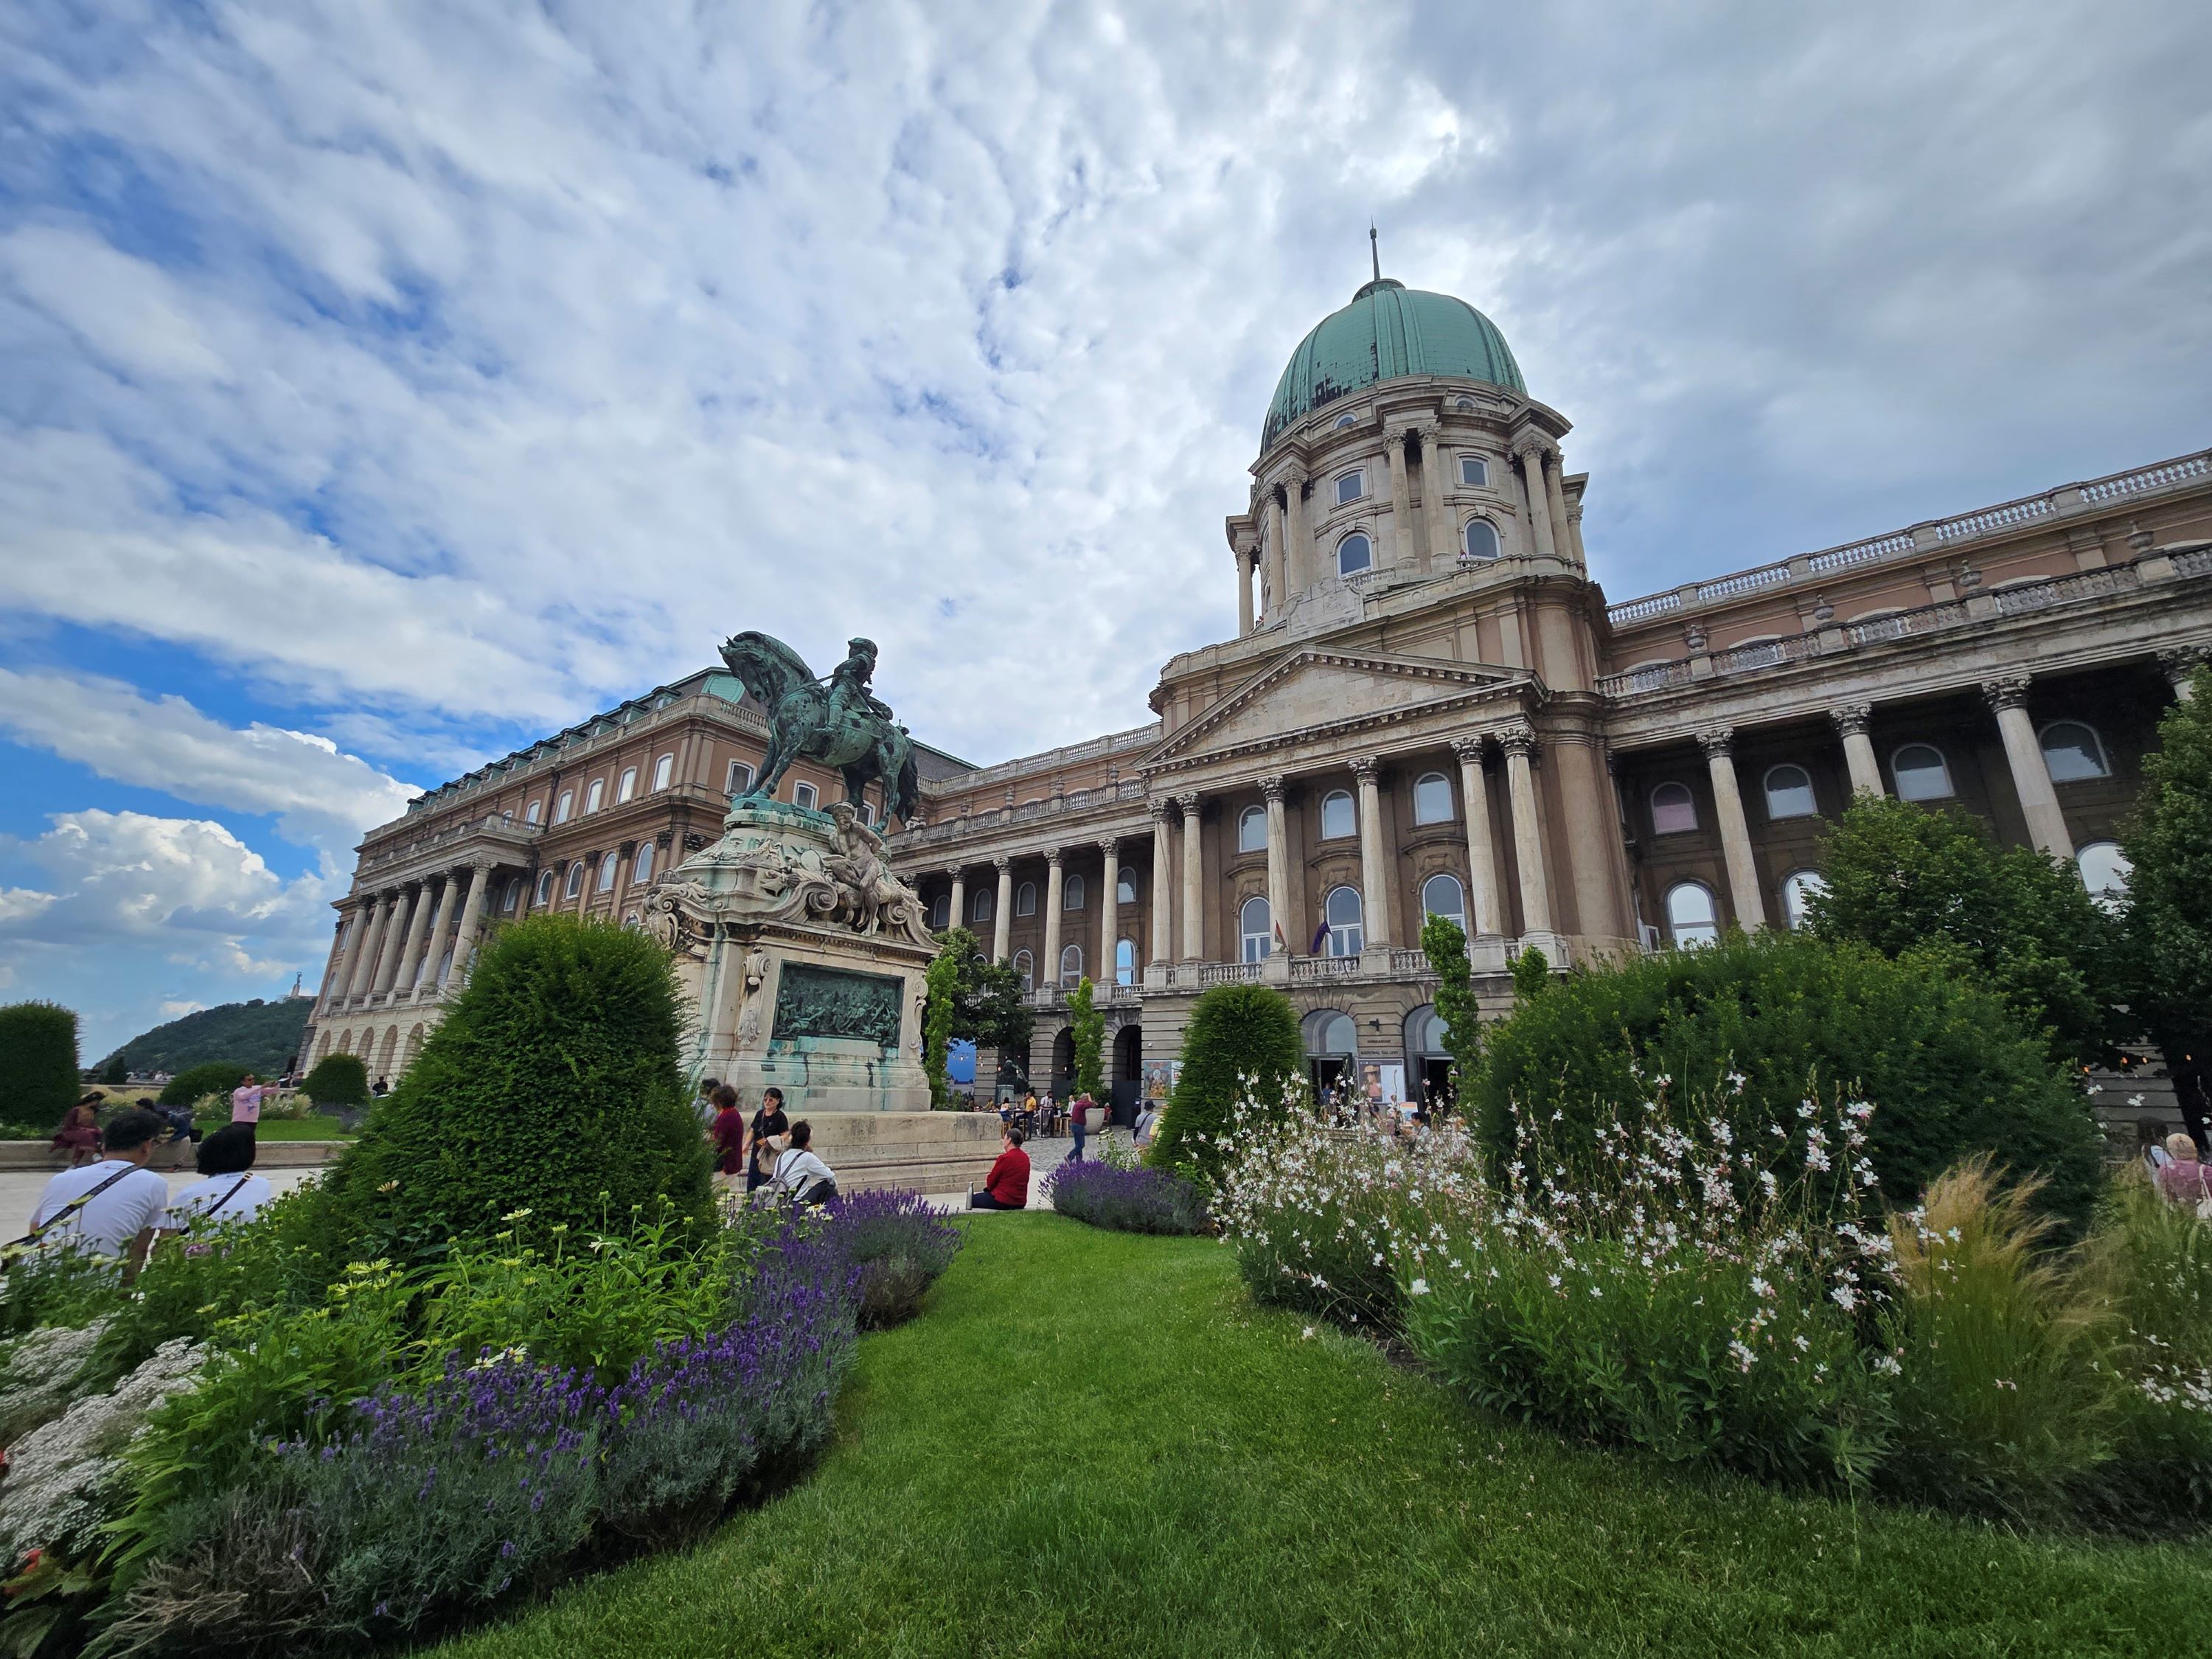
x,y
1350,486
1474,470
1480,540
1354,553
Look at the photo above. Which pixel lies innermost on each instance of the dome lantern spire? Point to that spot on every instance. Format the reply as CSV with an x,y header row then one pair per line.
x,y
1374,251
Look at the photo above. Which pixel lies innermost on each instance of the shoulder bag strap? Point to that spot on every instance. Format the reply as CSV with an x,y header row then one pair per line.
x,y
228,1196
40,1228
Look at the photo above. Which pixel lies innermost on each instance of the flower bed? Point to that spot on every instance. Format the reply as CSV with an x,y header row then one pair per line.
x,y
1128,1200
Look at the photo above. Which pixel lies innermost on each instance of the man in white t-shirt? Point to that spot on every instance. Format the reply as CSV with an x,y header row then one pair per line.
x,y
229,1191
112,1207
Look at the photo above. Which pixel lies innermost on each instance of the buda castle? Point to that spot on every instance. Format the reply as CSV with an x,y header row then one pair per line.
x,y
1428,708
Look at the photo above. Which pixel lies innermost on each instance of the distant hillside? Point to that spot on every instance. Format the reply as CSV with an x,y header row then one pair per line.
x,y
260,1035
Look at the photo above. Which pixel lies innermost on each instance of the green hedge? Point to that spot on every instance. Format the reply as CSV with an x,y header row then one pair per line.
x,y
217,1077
1236,1032
1943,1059
39,1079
337,1081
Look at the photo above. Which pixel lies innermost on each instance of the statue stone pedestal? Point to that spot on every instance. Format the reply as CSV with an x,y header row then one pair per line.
x,y
804,964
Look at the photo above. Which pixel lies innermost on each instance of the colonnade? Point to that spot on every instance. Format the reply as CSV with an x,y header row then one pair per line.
x,y
395,940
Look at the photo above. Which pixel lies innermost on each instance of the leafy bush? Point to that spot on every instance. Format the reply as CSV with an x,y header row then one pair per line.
x,y
2168,925
1239,1037
1135,1200
1941,1058
1443,942
115,1072
190,1087
551,1087
337,1081
38,1063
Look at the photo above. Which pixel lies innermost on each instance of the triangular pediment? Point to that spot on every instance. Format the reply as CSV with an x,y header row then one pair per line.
x,y
1312,691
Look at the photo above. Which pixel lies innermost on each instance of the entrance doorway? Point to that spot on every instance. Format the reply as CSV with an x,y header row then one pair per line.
x,y
1128,1073
1427,1064
1332,1043
1063,1063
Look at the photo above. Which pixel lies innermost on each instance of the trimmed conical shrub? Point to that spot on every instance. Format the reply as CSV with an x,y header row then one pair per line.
x,y
1239,1036
38,1063
551,1087
337,1081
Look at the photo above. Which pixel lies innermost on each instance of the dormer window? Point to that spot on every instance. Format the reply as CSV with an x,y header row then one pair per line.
x,y
1350,486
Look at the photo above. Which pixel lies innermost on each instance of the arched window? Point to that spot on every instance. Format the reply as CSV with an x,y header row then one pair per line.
x,y
2072,752
802,795
1338,820
1344,421
1673,809
940,911
1125,886
1354,553
1025,965
1465,405
1026,899
1330,1033
531,813
1071,895
1789,793
1257,925
511,900
594,795
1473,471
642,871
574,884
1342,910
1433,800
1479,539
1071,964
1443,895
626,789
2104,872
1920,772
561,807
979,904
544,888
1252,830
1350,486
1690,914
739,779
1798,890
1125,961
1424,1033
609,866
663,769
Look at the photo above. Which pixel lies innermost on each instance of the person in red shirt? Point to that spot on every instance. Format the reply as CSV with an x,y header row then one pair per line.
x,y
1007,1186
727,1132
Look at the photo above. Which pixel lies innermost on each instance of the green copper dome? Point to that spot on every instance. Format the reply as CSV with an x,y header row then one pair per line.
x,y
1387,332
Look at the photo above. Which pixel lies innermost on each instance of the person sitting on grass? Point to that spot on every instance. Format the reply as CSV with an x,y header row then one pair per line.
x,y
2184,1181
79,1136
1007,1186
110,1208
801,1178
228,1189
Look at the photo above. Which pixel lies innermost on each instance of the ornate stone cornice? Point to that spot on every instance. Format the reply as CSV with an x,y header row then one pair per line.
x,y
1851,718
1717,741
2010,691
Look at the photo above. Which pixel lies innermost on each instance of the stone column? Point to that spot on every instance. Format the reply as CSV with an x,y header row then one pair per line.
x,y
1194,874
1272,534
1003,915
1109,911
1488,915
434,948
1279,861
1402,505
1851,719
1436,505
465,940
410,954
1530,453
1376,899
1719,743
2031,778
1298,548
1049,970
1591,810
958,912
1519,743
1163,884
341,982
1555,498
1244,591
1575,533
372,946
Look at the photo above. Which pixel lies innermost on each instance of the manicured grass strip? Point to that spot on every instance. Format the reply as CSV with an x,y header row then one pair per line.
x,y
291,1129
1090,1444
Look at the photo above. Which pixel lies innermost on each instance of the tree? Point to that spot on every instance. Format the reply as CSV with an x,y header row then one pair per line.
x,y
1088,1027
214,1077
1532,974
1444,942
337,1081
1239,1037
39,1076
115,1071
937,1019
988,1009
552,1086
1904,879
2168,920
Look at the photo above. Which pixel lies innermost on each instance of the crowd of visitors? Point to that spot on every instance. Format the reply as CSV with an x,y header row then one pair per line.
x,y
771,1153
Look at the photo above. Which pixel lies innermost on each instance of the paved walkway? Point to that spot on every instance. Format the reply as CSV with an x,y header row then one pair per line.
x,y
1045,1156
20,1190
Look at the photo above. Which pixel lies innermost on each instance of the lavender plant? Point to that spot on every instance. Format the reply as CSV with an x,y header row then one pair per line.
x,y
1127,1199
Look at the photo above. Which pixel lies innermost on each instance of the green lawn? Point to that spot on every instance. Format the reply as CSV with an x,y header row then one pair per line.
x,y
1092,1444
291,1129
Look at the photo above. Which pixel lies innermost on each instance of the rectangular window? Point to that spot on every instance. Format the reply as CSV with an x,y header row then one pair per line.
x,y
802,794
531,816
661,768
594,795
740,779
1475,471
560,811
1350,486
627,787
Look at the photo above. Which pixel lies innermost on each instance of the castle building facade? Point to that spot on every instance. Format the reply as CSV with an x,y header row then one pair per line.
x,y
1429,707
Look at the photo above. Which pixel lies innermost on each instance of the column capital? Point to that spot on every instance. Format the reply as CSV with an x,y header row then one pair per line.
x,y
1717,741
2178,662
1053,855
1534,444
1367,769
1425,431
1851,718
1110,846
1157,805
1518,739
1293,474
1002,862
2009,691
1187,801
1272,787
1469,751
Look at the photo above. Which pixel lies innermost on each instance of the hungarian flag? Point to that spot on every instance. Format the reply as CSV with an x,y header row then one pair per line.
x,y
1281,943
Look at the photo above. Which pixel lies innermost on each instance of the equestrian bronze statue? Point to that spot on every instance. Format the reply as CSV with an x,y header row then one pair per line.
x,y
840,723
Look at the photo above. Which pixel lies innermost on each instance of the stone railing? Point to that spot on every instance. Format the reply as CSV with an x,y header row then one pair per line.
x,y
1075,801
1114,743
2021,599
1943,533
2197,562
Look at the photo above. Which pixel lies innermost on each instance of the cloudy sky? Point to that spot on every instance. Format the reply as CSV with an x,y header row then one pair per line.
x,y
385,384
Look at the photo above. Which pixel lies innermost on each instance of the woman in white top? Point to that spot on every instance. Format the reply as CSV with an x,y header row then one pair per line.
x,y
800,1175
229,1190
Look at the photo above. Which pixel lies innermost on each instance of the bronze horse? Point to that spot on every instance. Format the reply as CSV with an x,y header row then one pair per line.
x,y
839,725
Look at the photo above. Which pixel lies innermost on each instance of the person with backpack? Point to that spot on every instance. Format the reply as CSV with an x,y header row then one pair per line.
x,y
110,1208
802,1179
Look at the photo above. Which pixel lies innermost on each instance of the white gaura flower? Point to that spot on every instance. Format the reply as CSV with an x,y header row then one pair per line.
x,y
1419,1287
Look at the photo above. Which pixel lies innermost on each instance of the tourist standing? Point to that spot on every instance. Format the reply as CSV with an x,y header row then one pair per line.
x,y
245,1101
1078,1120
112,1207
228,1190
768,1125
1007,1186
705,1104
728,1134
